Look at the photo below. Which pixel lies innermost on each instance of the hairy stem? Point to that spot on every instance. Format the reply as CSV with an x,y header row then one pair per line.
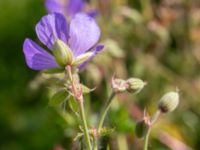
x,y
85,127
79,96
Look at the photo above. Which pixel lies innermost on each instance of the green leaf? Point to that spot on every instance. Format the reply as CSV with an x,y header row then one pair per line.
x,y
86,89
73,104
58,97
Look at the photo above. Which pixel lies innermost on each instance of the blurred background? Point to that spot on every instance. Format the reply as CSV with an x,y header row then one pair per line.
x,y
157,41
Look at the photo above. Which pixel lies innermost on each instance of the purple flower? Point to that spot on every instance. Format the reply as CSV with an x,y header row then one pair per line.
x,y
67,7
79,38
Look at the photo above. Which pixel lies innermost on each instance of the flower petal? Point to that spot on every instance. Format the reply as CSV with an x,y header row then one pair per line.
x,y
58,6
74,7
93,13
36,57
95,51
52,25
84,33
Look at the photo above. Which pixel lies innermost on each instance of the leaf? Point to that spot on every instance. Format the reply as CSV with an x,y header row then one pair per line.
x,y
85,89
73,104
58,97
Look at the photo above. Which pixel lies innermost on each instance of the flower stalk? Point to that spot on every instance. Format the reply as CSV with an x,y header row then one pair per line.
x,y
79,96
150,124
105,110
103,116
85,127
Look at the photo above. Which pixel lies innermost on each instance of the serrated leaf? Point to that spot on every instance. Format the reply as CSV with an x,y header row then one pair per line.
x,y
73,104
58,97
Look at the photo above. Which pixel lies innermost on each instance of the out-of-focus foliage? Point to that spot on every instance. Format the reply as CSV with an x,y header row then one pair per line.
x,y
157,41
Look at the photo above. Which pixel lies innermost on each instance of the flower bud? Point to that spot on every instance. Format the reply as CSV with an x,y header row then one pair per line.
x,y
82,58
135,85
168,102
62,53
141,129
119,85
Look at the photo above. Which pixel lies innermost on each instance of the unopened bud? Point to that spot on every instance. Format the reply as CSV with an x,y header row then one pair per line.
x,y
62,53
135,85
168,102
119,85
141,129
82,58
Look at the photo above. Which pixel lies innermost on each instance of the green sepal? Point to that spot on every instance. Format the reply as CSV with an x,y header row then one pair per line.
x,y
78,136
82,58
106,131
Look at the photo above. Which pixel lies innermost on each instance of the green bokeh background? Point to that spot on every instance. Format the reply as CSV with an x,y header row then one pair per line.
x,y
165,58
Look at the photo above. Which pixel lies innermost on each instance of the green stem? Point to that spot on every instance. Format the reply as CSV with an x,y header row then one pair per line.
x,y
85,127
95,144
146,140
153,120
81,107
103,115
105,111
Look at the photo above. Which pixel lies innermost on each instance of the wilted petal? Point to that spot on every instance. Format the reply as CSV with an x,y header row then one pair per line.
x,y
36,57
84,33
55,6
95,51
74,6
52,25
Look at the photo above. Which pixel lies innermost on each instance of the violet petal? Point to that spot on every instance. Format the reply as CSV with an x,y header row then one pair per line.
x,y
84,33
95,51
58,6
36,57
74,7
52,25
